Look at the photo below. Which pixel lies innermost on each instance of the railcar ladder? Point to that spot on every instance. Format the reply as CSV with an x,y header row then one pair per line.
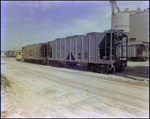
x,y
110,50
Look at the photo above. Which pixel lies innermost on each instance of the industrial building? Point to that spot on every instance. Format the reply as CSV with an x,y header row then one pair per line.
x,y
139,27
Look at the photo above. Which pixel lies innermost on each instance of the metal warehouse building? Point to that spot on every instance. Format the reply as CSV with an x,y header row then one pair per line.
x,y
139,27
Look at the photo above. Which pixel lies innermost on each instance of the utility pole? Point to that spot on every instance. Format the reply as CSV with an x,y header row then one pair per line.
x,y
20,40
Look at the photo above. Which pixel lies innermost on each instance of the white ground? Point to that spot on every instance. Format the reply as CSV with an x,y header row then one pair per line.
x,y
45,91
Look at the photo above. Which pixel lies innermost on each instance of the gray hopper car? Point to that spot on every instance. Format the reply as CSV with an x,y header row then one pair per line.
x,y
136,52
95,51
11,53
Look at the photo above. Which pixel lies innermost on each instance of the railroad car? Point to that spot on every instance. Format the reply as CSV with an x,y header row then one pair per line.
x,y
136,52
11,53
95,51
35,53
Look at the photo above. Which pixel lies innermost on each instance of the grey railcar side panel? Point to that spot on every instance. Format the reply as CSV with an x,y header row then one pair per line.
x,y
33,49
76,54
38,51
99,37
85,49
79,49
33,52
67,49
129,51
58,49
92,49
94,40
73,48
54,49
134,51
62,50
50,43
119,51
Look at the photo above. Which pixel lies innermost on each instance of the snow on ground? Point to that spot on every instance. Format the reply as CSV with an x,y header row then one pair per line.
x,y
45,91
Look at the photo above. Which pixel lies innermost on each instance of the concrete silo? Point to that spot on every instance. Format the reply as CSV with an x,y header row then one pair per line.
x,y
139,27
122,21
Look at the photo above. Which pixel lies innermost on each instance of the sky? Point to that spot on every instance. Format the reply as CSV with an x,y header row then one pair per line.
x,y
43,21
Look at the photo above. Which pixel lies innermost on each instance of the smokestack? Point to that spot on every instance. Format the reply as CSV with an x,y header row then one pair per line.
x,y
20,40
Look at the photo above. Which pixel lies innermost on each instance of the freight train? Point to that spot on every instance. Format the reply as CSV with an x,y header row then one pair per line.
x,y
94,51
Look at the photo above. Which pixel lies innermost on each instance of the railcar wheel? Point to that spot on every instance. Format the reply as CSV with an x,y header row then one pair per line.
x,y
92,68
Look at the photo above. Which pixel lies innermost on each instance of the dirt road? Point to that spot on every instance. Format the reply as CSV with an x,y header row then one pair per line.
x,y
45,91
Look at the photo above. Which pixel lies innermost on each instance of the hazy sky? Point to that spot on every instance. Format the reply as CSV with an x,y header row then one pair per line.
x,y
43,21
